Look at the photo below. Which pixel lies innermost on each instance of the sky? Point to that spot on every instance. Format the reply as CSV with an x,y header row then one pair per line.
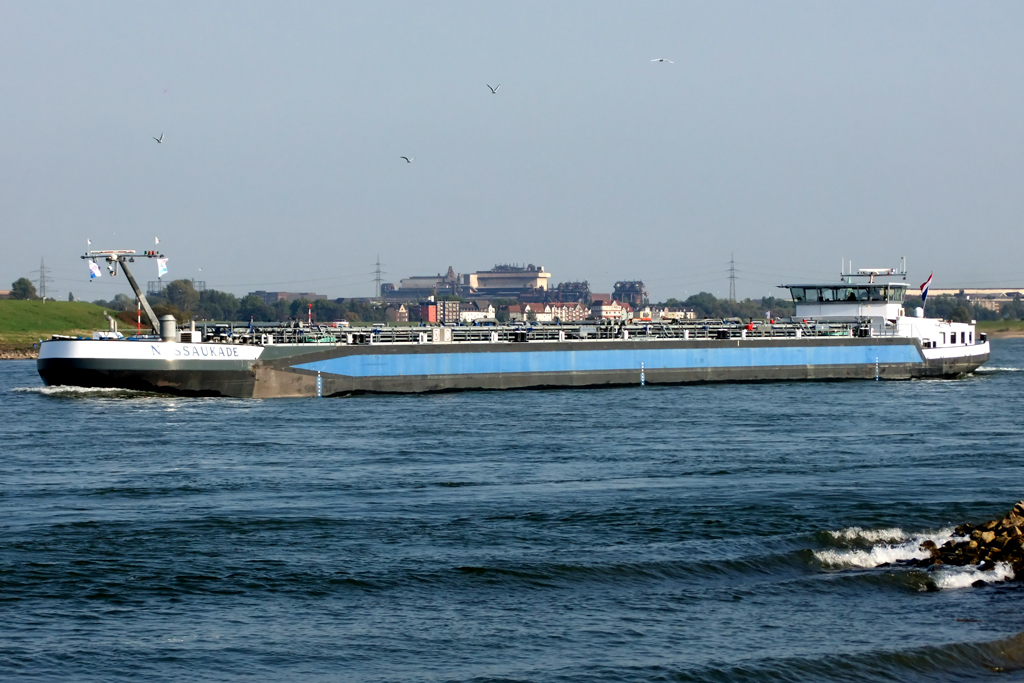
x,y
786,135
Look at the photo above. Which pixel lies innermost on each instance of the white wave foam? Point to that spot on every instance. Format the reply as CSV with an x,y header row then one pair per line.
x,y
855,533
894,545
60,390
997,368
952,578
880,554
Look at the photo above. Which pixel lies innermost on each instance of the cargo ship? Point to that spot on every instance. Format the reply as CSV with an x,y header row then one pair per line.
x,y
852,329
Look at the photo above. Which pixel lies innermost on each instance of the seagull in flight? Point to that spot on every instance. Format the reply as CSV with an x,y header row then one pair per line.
x,y
408,160
160,139
662,59
494,91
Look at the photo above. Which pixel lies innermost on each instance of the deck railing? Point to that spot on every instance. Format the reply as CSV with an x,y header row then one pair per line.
x,y
267,334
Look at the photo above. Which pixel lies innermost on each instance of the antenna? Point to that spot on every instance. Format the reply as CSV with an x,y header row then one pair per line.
x,y
732,277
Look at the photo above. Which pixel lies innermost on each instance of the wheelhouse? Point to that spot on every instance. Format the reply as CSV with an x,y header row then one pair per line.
x,y
817,294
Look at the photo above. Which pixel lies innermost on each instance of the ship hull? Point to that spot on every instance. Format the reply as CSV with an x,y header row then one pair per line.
x,y
341,369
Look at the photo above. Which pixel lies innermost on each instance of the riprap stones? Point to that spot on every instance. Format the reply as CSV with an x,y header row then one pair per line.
x,y
988,544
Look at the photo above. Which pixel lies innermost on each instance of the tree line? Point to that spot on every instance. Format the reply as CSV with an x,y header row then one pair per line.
x,y
965,310
707,305
180,299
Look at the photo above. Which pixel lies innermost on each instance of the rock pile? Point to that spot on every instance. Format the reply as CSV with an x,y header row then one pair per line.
x,y
18,353
995,541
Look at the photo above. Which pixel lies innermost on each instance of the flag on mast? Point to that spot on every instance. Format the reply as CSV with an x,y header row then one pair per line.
x,y
924,288
161,267
156,240
88,242
94,270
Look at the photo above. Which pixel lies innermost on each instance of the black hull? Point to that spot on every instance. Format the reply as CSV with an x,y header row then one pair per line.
x,y
237,383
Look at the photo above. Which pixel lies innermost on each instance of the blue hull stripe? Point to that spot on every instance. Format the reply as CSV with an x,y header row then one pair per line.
x,y
418,364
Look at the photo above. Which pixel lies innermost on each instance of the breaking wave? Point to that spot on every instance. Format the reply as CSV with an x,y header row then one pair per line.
x,y
893,545
855,533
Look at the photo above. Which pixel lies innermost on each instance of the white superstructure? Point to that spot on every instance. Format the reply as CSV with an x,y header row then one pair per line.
x,y
878,300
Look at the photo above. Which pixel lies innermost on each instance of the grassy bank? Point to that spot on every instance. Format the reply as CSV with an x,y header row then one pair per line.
x,y
1002,328
25,322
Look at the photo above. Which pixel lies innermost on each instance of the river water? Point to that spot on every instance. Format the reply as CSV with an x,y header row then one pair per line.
x,y
696,533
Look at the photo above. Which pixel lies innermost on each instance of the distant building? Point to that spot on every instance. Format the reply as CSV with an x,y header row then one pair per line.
x,y
472,311
571,291
538,311
272,297
448,312
609,310
991,298
507,280
5,294
396,314
631,292
424,312
422,286
675,314
535,311
568,312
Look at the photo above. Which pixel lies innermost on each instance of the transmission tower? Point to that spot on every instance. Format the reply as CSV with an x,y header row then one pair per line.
x,y
377,278
43,279
732,277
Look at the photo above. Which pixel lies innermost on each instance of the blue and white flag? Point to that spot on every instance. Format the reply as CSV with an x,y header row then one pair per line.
x,y
94,270
924,288
161,267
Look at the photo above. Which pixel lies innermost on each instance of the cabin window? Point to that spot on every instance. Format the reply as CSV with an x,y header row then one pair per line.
x,y
943,338
896,294
970,337
963,337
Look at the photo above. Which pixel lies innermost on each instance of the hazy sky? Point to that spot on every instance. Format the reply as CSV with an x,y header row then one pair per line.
x,y
792,134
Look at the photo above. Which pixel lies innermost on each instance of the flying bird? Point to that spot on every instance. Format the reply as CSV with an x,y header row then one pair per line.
x,y
662,59
160,139
408,160
494,90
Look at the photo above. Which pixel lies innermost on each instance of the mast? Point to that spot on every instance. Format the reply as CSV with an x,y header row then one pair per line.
x,y
122,257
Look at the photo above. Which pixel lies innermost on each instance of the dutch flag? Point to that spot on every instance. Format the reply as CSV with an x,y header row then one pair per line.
x,y
924,288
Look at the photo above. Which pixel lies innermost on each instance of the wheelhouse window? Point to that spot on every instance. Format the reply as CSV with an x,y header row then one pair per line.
x,y
824,294
797,293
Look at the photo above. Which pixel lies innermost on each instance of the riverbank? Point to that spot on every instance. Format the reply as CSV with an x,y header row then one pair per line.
x,y
1001,329
23,323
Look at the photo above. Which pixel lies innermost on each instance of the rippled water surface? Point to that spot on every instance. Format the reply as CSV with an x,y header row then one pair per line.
x,y
723,532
